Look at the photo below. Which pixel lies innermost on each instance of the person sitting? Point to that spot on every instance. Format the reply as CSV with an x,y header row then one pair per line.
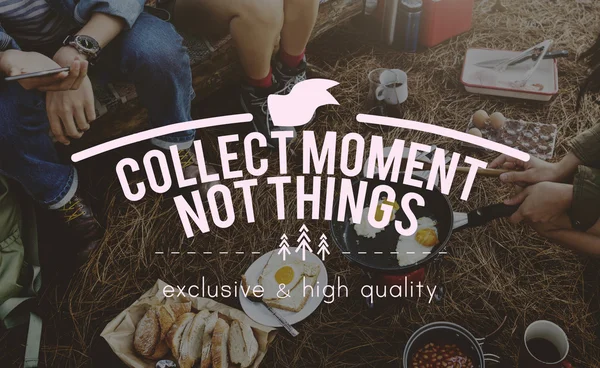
x,y
123,44
561,201
256,26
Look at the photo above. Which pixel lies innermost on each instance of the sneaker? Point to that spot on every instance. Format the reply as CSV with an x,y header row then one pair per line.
x,y
254,101
81,226
289,77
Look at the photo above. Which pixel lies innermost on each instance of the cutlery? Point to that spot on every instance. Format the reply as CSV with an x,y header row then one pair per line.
x,y
491,64
289,328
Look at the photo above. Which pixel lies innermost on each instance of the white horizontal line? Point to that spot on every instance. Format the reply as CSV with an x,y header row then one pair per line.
x,y
393,252
377,252
362,252
206,252
410,252
255,252
346,252
426,252
159,252
443,253
174,252
239,252
223,252
191,252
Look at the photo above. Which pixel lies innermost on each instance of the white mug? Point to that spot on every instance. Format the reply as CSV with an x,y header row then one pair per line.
x,y
393,87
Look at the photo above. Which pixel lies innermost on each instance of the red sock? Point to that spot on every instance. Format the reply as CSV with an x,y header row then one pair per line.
x,y
291,61
265,82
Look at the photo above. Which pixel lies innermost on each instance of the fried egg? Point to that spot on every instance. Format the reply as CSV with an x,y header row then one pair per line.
x,y
414,248
364,228
286,273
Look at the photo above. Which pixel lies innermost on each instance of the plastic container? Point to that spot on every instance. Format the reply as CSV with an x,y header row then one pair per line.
x,y
542,86
444,19
408,21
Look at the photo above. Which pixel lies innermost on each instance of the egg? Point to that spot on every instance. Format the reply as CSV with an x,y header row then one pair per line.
x,y
365,229
497,120
286,273
480,119
416,247
476,132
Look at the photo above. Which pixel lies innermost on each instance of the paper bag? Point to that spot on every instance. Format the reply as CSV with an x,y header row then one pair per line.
x,y
119,332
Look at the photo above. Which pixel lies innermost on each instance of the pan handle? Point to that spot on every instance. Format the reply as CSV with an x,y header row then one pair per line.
x,y
486,214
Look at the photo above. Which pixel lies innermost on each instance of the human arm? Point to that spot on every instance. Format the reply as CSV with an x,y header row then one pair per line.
x,y
70,112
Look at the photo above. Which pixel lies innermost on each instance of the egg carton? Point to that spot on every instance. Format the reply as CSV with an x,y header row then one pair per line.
x,y
536,139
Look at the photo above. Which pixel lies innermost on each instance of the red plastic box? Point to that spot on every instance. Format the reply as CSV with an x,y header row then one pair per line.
x,y
444,19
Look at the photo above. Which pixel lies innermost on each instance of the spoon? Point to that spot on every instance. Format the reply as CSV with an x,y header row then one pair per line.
x,y
280,318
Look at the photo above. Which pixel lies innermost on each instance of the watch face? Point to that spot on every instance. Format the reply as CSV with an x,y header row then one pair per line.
x,y
88,44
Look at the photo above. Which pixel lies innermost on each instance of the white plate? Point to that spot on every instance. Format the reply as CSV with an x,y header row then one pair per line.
x,y
260,314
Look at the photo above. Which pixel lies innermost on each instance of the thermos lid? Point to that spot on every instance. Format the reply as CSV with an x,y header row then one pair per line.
x,y
412,5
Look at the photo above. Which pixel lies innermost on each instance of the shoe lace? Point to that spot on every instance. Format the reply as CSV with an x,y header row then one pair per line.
x,y
186,157
72,210
262,102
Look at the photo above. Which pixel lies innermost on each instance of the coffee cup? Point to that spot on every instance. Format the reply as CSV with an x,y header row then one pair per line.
x,y
388,85
544,345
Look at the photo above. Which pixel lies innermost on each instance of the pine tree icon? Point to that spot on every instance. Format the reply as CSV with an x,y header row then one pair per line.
x,y
284,247
323,247
303,242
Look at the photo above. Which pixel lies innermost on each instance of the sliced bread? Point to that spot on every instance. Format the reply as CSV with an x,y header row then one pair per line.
x,y
175,334
147,333
243,347
211,321
219,344
190,349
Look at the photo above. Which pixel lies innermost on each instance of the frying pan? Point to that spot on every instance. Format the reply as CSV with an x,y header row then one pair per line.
x,y
376,254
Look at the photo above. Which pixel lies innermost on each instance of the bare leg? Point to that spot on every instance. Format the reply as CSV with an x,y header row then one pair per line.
x,y
562,233
300,19
254,25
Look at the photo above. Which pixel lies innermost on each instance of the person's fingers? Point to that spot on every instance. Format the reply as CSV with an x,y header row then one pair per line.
x,y
90,110
527,176
509,165
516,217
517,199
56,128
82,74
498,161
68,124
47,83
82,123
74,70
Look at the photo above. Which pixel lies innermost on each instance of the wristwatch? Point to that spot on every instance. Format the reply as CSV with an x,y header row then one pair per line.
x,y
85,45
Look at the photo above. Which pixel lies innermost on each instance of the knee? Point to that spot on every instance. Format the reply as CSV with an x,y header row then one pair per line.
x,y
21,111
266,13
154,48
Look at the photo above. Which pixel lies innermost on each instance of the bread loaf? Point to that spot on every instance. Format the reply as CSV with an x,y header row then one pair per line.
x,y
219,344
147,333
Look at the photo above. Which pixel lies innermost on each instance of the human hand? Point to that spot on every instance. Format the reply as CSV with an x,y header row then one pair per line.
x,y
531,172
68,56
541,203
70,112
16,62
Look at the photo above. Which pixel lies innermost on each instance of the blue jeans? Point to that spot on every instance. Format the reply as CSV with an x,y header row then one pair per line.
x,y
150,55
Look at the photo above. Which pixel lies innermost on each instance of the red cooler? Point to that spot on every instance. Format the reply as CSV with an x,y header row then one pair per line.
x,y
444,19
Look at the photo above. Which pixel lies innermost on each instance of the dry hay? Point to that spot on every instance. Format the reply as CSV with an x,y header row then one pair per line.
x,y
491,272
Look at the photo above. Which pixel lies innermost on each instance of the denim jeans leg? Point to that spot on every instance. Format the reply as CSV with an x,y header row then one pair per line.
x,y
27,153
152,56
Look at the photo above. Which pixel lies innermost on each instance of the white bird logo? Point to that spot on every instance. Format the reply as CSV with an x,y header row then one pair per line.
x,y
298,107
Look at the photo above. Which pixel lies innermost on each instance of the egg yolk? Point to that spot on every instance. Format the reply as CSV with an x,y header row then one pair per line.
x,y
426,237
379,212
284,275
